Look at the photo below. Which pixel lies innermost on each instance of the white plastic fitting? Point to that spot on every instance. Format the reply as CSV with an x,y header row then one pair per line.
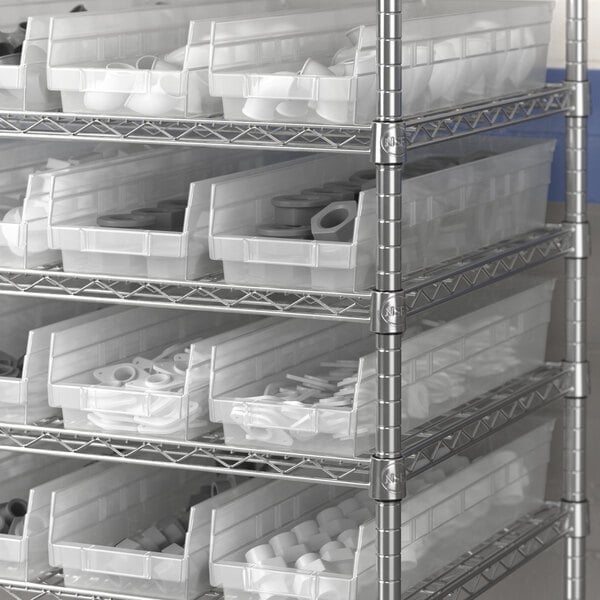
x,y
272,90
156,537
258,554
305,560
173,549
338,554
349,538
172,530
334,527
129,544
330,546
283,541
117,375
291,554
329,514
317,541
104,98
158,101
305,530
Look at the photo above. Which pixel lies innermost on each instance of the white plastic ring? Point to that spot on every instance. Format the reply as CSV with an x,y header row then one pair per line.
x,y
117,375
157,380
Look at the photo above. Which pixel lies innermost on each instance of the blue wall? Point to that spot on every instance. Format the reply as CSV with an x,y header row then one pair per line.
x,y
555,127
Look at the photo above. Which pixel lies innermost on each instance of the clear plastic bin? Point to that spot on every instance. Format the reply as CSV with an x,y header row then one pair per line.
x,y
26,326
80,195
449,357
452,515
33,478
89,517
23,86
178,409
320,67
25,178
498,190
106,77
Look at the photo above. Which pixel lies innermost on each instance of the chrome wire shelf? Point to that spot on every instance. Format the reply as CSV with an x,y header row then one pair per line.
x,y
423,289
457,277
208,293
487,116
208,453
423,448
189,132
50,586
419,130
464,579
470,423
483,567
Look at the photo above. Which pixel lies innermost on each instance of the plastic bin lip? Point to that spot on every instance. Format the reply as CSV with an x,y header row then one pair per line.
x,y
123,551
84,387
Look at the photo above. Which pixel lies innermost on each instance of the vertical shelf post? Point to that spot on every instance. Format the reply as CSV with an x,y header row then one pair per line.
x,y
388,311
576,360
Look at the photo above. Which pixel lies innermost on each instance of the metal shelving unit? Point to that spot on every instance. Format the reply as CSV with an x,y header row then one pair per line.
x,y
396,297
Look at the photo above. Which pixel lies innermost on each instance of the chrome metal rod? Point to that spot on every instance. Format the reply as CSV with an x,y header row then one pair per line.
x,y
388,159
574,459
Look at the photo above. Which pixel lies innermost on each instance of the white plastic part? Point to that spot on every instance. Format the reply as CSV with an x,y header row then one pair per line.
x,y
129,544
174,549
304,531
117,375
282,541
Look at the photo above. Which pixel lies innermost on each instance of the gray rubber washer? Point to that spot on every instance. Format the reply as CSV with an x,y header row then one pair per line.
x,y
301,232
127,221
353,186
334,195
298,209
166,218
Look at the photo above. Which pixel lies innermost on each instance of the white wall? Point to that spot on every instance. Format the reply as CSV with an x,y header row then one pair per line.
x,y
557,44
